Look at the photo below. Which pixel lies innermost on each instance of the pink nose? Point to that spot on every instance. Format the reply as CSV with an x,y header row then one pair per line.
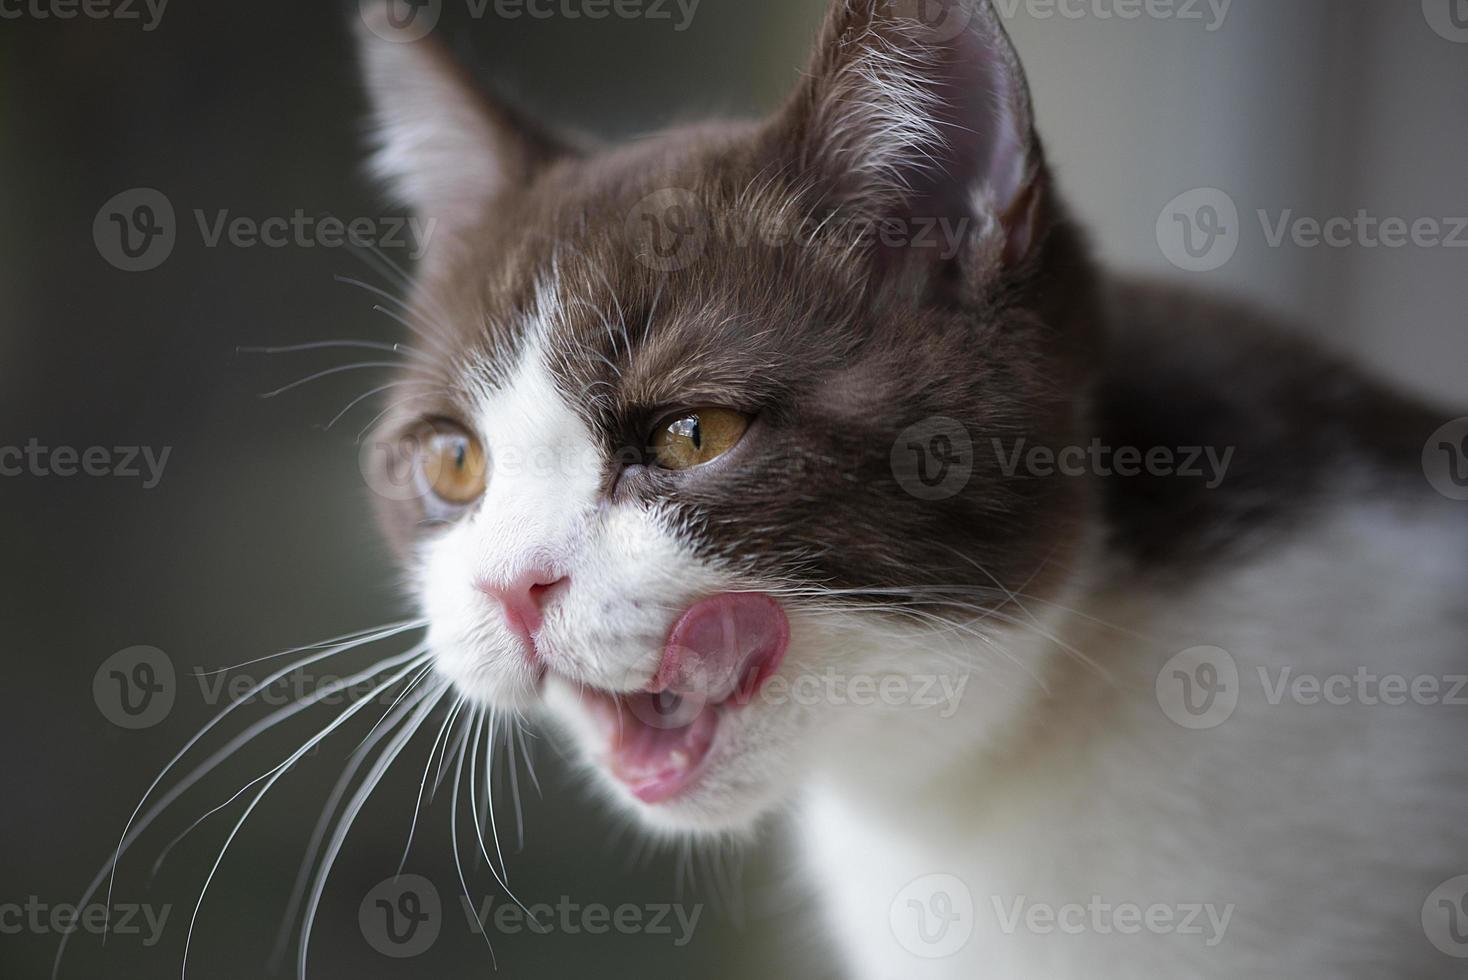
x,y
523,600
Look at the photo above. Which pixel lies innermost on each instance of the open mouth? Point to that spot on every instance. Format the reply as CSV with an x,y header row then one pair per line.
x,y
718,656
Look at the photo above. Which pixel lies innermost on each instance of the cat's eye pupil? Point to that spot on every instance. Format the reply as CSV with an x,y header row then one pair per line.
x,y
689,428
691,439
455,466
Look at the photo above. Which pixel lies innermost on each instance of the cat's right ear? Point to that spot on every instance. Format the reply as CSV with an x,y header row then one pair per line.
x,y
442,146
915,110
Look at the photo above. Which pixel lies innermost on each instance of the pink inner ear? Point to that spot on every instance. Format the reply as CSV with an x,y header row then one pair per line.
x,y
1003,176
914,121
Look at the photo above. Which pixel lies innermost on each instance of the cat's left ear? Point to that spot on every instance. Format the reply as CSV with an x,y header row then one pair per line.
x,y
918,111
443,147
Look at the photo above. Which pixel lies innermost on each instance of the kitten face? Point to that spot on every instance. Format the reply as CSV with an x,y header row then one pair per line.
x,y
649,608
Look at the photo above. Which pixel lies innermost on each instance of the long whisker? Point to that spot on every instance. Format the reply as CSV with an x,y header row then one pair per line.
x,y
136,825
402,708
418,801
274,777
512,765
349,815
342,368
435,342
320,644
326,691
529,762
502,878
427,669
454,843
376,345
366,395
397,403
443,756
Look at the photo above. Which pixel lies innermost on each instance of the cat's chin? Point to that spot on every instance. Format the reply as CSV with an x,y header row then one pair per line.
x,y
716,773
687,752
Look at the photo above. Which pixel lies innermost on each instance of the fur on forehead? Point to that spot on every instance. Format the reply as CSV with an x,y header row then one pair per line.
x,y
568,262
900,118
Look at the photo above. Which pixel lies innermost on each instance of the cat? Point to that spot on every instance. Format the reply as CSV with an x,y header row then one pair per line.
x,y
747,409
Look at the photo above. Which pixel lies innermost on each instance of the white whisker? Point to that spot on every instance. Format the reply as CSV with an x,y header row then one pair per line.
x,y
274,777
401,709
349,815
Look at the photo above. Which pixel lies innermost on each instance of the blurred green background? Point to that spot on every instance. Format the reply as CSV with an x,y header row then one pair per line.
x,y
259,536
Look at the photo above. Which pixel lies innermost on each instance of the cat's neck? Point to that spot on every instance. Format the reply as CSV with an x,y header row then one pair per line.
x,y
980,708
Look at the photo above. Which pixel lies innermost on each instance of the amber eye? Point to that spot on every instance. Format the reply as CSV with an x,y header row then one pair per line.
x,y
690,439
453,464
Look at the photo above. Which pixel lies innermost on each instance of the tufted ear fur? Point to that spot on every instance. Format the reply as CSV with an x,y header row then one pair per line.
x,y
919,109
443,147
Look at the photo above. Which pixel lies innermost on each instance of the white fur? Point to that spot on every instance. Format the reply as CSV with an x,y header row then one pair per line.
x,y
1317,831
543,507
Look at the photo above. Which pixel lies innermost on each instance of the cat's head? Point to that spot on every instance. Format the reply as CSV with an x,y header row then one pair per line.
x,y
694,443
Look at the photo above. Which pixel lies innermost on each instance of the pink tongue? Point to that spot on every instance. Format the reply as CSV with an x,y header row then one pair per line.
x,y
720,652
722,647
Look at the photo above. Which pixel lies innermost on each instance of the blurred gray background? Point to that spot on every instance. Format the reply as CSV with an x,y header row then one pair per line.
x,y
258,536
